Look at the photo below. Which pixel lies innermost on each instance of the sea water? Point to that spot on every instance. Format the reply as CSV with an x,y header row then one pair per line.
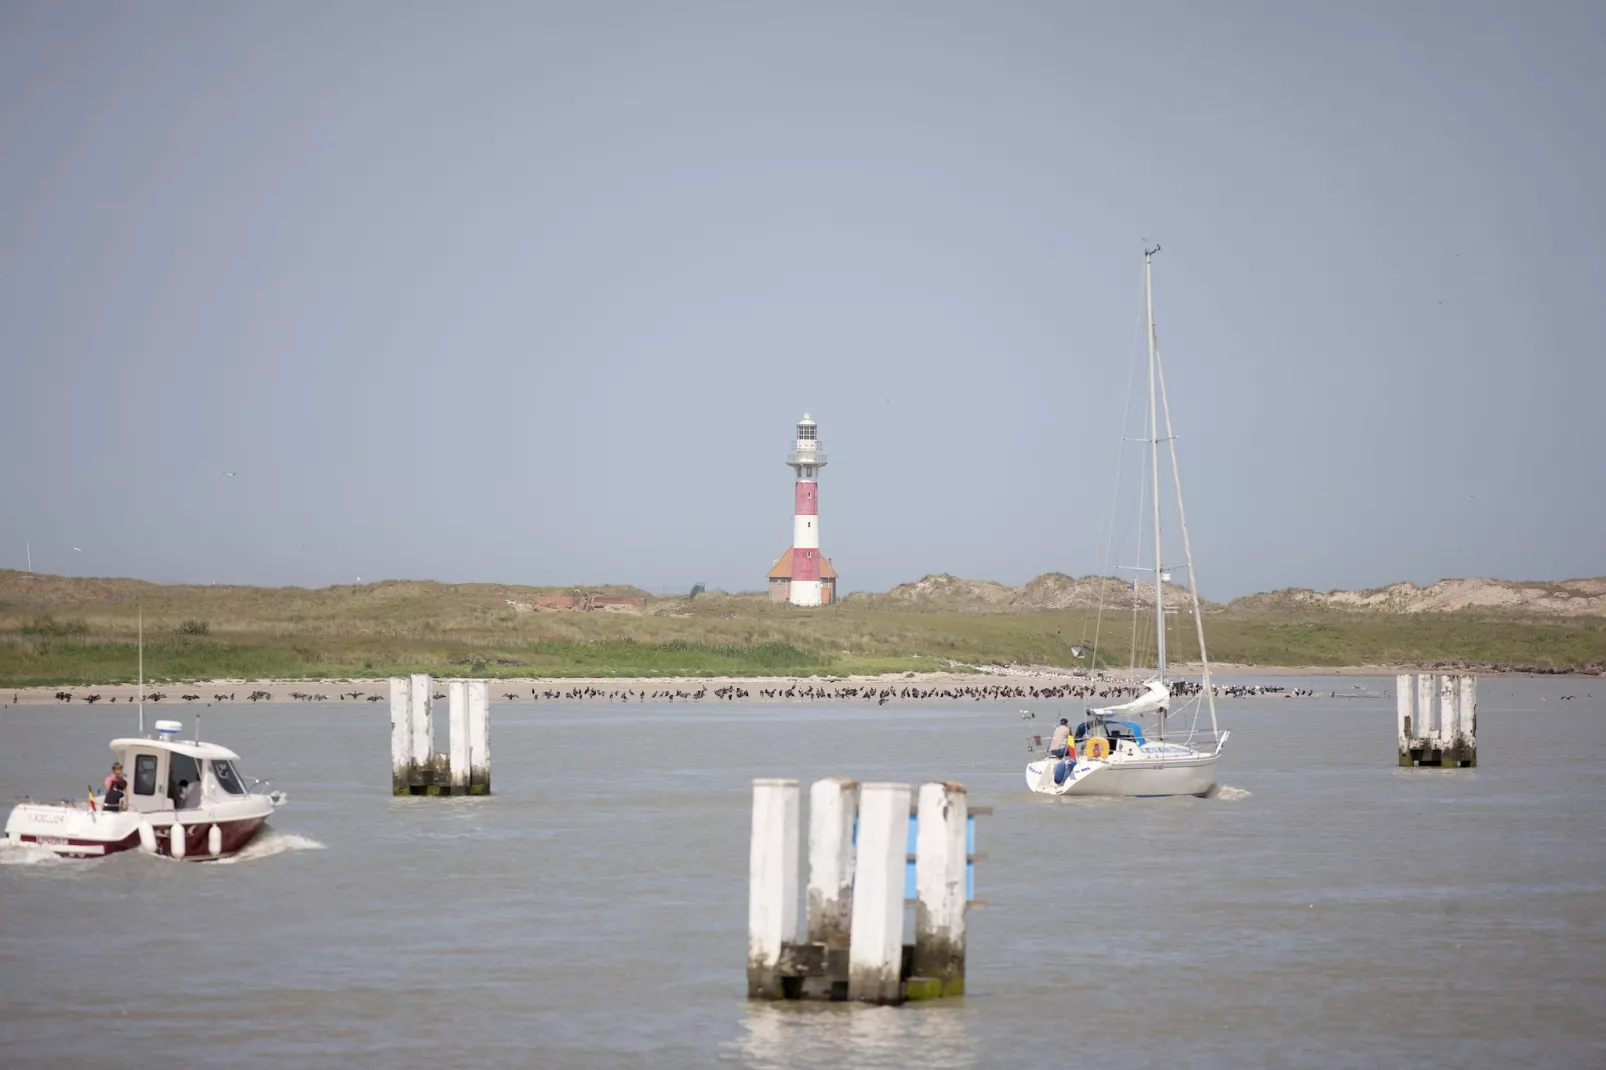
x,y
1326,908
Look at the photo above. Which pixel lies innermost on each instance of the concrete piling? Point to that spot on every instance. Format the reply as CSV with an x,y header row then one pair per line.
x,y
401,734
457,724
1449,696
772,885
1426,707
423,714
1437,720
1466,708
875,953
833,813
941,857
870,856
415,767
479,737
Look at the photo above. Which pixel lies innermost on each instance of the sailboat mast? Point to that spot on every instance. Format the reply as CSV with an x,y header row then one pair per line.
x,y
142,670
1154,474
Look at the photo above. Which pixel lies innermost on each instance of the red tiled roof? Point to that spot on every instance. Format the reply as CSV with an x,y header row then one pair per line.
x,y
783,568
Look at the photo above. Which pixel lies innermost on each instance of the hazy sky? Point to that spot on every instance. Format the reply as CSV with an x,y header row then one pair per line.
x,y
535,293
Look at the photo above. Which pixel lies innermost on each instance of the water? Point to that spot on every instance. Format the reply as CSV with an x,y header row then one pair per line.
x,y
1328,909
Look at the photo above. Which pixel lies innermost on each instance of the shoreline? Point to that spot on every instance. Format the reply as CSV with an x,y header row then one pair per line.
x,y
332,688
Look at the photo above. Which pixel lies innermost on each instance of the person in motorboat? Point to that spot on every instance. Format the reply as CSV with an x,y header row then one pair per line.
x,y
115,796
115,774
1062,735
189,794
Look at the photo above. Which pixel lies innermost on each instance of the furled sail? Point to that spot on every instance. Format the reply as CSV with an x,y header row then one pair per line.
x,y
1156,696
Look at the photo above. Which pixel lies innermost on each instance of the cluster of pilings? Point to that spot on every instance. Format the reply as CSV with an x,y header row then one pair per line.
x,y
869,852
415,768
1438,720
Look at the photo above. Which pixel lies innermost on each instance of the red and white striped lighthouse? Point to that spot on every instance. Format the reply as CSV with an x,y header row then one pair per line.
x,y
806,459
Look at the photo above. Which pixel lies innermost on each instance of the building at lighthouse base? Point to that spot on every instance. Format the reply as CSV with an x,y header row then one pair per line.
x,y
781,580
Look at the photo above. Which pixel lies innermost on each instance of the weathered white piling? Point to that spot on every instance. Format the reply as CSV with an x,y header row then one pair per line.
x,y
875,956
1425,706
772,884
401,734
1437,717
1449,721
833,808
423,713
457,725
940,857
479,737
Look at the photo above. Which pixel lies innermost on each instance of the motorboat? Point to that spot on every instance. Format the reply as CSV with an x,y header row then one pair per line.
x,y
213,821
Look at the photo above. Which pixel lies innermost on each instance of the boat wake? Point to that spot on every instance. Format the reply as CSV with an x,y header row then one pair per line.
x,y
270,842
27,854
1228,793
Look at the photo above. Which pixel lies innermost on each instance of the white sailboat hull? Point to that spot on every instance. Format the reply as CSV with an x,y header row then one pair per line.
x,y
1193,774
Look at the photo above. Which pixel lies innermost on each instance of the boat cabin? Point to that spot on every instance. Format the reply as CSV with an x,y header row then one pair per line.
x,y
154,768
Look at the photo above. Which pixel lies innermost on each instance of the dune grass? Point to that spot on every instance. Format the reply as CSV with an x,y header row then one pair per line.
x,y
61,631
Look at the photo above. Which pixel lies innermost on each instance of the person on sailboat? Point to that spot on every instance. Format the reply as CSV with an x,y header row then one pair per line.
x,y
1062,735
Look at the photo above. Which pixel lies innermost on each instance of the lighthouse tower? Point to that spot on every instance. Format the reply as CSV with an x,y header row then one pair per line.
x,y
806,459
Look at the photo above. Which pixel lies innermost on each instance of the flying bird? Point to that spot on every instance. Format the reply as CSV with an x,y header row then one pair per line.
x,y
76,550
231,475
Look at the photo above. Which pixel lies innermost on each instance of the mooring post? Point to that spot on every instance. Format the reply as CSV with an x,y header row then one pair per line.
x,y
940,856
479,737
457,729
401,734
1467,708
1449,723
1404,704
423,704
1426,704
875,955
833,808
771,884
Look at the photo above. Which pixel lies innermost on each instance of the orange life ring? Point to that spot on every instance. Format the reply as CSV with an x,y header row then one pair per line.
x,y
1098,747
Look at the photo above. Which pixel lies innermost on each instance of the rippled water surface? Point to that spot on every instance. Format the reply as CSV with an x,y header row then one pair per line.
x,y
1328,909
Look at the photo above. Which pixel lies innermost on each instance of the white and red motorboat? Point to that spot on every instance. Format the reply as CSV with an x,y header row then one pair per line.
x,y
215,821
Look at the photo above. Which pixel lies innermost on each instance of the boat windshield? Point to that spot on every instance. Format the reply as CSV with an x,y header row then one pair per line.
x,y
227,778
1113,730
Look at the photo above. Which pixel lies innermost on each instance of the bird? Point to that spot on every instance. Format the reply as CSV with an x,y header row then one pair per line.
x,y
76,550
231,475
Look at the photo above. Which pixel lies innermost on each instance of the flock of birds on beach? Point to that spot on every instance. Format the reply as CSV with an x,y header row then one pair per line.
x,y
810,692
815,692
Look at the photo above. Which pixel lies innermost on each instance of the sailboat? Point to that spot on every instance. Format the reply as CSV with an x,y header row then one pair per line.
x,y
1110,752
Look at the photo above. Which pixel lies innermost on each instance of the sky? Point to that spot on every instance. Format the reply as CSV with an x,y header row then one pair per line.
x,y
535,293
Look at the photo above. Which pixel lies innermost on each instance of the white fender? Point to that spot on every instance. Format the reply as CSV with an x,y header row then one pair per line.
x,y
147,838
175,839
214,841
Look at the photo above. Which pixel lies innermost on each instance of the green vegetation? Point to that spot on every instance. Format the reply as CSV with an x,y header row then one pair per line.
x,y
61,631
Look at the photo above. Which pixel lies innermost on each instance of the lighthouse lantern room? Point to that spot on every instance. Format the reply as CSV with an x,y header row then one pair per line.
x,y
802,576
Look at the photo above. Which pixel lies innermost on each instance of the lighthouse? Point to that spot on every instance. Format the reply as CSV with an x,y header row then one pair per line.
x,y
802,576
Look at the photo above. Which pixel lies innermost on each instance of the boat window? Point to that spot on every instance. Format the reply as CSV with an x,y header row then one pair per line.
x,y
145,774
181,767
227,778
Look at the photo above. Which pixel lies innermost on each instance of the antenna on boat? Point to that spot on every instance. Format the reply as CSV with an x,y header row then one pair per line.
x,y
141,668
